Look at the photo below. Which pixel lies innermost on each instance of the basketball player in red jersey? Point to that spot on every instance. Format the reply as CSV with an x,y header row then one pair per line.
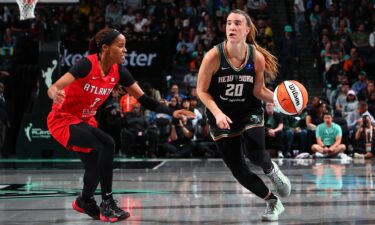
x,y
231,86
76,97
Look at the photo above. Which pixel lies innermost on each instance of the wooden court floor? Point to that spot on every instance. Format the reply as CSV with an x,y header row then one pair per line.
x,y
194,192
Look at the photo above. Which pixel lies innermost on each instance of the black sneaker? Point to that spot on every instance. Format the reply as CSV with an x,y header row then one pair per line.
x,y
110,212
90,208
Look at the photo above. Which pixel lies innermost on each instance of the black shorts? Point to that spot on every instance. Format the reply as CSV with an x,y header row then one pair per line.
x,y
237,127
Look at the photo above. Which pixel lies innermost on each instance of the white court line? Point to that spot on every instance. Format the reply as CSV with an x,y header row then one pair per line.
x,y
160,164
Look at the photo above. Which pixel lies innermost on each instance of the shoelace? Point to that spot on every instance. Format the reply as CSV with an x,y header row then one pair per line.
x,y
270,208
91,202
113,205
276,179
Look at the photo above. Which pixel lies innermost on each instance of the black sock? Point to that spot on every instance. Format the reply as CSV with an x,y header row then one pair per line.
x,y
106,196
271,196
86,198
267,171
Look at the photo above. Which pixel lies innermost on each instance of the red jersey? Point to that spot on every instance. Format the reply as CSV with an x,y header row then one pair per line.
x,y
85,95
82,99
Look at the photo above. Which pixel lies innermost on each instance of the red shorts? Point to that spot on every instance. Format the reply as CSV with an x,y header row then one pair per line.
x,y
58,125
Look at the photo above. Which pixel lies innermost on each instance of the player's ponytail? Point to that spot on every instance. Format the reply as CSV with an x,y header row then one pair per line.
x,y
270,60
93,46
104,36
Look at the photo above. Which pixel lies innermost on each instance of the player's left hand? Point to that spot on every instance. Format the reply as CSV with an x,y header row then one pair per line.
x,y
181,113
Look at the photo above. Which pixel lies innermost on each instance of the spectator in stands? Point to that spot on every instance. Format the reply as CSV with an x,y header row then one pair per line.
x,y
182,58
368,95
313,119
288,53
274,124
372,38
134,132
222,8
175,92
353,61
194,108
209,38
341,24
315,22
113,12
299,16
113,115
361,83
127,103
3,117
350,105
364,146
341,79
8,41
6,62
152,116
184,40
334,59
190,79
128,18
151,91
331,79
291,130
182,135
174,103
328,139
200,51
140,22
204,146
360,38
355,117
135,4
341,97
253,6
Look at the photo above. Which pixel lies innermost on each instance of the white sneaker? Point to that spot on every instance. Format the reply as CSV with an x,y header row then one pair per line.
x,y
345,156
303,155
319,155
359,156
280,181
273,210
280,155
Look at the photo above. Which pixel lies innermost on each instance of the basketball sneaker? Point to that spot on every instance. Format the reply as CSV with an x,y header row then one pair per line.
x,y
273,210
110,212
280,181
90,208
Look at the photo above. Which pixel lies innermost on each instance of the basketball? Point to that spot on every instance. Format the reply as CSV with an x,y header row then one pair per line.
x,y
290,97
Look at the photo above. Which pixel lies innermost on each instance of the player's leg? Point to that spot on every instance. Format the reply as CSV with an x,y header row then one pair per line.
x,y
86,136
255,146
231,152
86,203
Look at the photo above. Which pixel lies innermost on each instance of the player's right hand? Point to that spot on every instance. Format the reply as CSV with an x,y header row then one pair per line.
x,y
223,121
59,97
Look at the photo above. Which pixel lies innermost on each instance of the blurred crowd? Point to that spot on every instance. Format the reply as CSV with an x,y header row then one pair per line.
x,y
343,39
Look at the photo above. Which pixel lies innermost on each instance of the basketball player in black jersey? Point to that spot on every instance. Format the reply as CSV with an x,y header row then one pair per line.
x,y
231,85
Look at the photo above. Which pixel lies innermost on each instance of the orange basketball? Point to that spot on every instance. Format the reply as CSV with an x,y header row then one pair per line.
x,y
290,97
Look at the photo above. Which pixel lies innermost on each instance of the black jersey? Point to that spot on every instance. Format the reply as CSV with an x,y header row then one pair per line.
x,y
232,88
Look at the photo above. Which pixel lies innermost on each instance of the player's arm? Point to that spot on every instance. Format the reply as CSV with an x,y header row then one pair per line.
x,y
56,91
208,67
127,80
260,91
78,70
